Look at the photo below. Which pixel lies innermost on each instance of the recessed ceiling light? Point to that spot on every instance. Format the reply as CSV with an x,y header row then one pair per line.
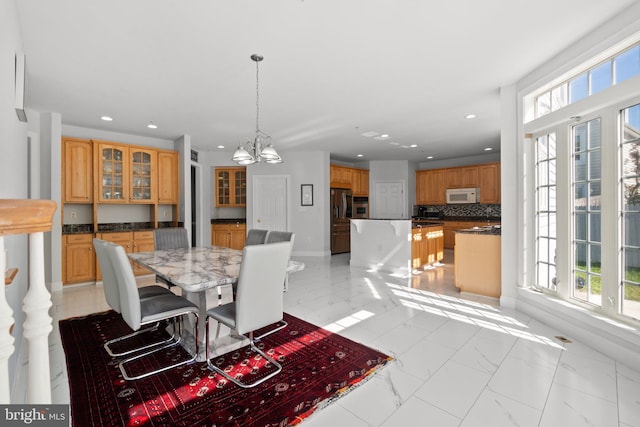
x,y
360,155
107,118
221,146
404,146
488,149
394,143
470,116
151,125
413,145
429,157
384,135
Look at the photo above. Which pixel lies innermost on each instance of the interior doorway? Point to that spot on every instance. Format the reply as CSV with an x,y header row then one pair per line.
x,y
390,200
270,202
194,201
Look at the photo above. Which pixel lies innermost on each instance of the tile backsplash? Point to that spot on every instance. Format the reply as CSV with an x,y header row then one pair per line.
x,y
472,209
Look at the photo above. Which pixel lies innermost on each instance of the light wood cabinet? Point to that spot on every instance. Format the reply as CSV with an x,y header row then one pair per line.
x,y
489,176
477,264
360,182
231,187
77,170
229,235
341,177
113,173
450,228
78,258
143,241
462,177
432,184
143,175
430,187
167,177
427,246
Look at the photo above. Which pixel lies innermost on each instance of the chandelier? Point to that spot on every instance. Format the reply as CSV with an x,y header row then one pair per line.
x,y
261,148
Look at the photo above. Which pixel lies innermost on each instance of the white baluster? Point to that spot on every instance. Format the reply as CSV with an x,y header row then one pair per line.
x,y
6,340
38,323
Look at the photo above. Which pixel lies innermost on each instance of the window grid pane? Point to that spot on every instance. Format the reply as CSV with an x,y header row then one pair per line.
x,y
586,212
630,205
545,147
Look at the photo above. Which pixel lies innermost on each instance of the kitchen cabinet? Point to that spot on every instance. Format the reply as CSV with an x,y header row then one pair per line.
x,y
78,258
231,187
360,182
462,177
143,175
229,235
131,241
77,170
143,241
430,187
167,177
450,228
340,177
477,264
489,177
113,172
427,246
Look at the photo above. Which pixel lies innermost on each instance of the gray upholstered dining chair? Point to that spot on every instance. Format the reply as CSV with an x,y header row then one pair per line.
x,y
259,302
256,236
282,236
137,312
170,238
112,296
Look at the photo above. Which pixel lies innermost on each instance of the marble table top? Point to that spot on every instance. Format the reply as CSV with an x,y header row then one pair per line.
x,y
198,269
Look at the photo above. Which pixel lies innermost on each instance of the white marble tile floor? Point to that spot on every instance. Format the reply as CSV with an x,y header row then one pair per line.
x,y
460,360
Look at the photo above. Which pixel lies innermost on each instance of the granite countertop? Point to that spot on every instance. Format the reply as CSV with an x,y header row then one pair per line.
x,y
112,227
228,220
493,230
461,218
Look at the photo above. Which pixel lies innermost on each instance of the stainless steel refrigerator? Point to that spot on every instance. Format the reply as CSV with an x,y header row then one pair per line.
x,y
341,201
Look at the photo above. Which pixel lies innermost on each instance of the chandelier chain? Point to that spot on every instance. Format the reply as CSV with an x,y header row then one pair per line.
x,y
257,97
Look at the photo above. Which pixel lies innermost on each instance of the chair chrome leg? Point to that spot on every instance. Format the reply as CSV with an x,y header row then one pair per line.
x,y
283,324
133,334
122,365
255,349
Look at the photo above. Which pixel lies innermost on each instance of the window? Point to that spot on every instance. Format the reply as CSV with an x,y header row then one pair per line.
x,y
630,211
586,213
614,70
545,147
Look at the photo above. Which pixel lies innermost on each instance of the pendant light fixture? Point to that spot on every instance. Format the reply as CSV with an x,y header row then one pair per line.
x,y
261,148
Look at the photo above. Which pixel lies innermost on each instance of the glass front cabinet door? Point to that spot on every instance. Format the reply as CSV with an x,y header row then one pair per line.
x,y
142,179
112,167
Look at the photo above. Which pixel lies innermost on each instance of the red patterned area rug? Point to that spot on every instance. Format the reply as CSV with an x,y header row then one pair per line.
x,y
318,367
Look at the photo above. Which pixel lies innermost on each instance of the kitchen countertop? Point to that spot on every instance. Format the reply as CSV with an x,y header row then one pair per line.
x,y
494,230
112,227
228,220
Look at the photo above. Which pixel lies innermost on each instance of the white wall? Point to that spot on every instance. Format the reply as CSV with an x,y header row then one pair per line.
x,y
13,166
310,223
393,170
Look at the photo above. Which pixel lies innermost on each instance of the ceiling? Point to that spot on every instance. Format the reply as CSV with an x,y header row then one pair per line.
x,y
332,71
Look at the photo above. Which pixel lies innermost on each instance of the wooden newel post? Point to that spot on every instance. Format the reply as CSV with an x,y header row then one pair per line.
x,y
33,217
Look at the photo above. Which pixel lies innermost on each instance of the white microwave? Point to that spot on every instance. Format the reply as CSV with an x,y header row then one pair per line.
x,y
463,195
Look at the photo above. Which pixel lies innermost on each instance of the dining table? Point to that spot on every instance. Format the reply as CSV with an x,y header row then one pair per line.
x,y
196,270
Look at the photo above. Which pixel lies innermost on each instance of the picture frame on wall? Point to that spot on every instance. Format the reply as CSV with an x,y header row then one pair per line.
x,y
306,194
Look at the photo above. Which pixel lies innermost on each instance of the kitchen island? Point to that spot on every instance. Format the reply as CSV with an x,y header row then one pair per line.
x,y
477,265
396,246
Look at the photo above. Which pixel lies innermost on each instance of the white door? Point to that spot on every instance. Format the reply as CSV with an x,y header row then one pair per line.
x,y
389,200
270,204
